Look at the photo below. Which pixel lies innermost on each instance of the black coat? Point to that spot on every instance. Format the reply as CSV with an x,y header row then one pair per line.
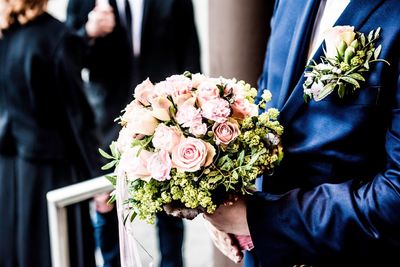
x,y
43,111
45,140
169,42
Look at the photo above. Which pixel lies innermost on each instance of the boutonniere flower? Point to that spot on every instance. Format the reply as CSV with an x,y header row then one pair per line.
x,y
347,57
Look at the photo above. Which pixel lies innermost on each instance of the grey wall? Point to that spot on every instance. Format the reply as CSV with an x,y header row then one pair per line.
x,y
238,31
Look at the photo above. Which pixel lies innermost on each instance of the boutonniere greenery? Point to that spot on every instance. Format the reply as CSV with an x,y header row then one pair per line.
x,y
347,57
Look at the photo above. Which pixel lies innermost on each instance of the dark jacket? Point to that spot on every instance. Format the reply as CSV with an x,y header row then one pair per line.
x,y
43,111
335,200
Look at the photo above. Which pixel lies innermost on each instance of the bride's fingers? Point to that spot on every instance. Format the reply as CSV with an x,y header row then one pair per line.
x,y
225,243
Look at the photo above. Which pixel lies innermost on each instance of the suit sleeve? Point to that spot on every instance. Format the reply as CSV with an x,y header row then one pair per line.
x,y
187,41
77,17
351,218
77,112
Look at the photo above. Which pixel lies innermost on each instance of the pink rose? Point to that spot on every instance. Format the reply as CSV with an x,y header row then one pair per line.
x,y
242,108
181,84
216,109
226,132
159,165
144,91
166,138
163,88
207,91
187,114
134,165
140,121
197,79
335,36
198,130
160,108
191,154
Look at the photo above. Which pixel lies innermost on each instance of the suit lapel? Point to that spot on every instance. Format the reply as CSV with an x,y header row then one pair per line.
x,y
355,14
146,12
114,5
298,50
296,99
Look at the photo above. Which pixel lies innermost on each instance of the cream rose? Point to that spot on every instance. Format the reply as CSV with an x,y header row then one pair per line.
x,y
226,132
127,133
181,99
160,108
133,105
144,91
166,138
125,138
334,37
135,165
191,154
140,121
129,112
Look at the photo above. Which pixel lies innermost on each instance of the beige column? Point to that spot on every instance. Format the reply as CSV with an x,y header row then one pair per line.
x,y
238,32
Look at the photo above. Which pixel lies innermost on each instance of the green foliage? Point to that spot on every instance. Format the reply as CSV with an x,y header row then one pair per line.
x,y
112,179
114,157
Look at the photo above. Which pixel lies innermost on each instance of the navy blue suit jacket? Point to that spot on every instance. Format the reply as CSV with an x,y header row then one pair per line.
x,y
335,199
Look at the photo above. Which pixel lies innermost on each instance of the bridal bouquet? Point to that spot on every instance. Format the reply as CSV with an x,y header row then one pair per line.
x,y
189,143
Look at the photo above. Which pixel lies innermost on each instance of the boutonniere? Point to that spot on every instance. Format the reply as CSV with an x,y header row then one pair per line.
x,y
347,57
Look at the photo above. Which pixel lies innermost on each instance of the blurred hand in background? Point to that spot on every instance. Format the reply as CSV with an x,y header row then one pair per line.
x,y
101,21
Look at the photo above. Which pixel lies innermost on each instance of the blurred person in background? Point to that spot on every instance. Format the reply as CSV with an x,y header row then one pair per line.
x,y
127,42
46,134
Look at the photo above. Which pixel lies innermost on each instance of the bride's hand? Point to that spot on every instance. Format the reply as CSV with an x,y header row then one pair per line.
x,y
225,243
230,217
